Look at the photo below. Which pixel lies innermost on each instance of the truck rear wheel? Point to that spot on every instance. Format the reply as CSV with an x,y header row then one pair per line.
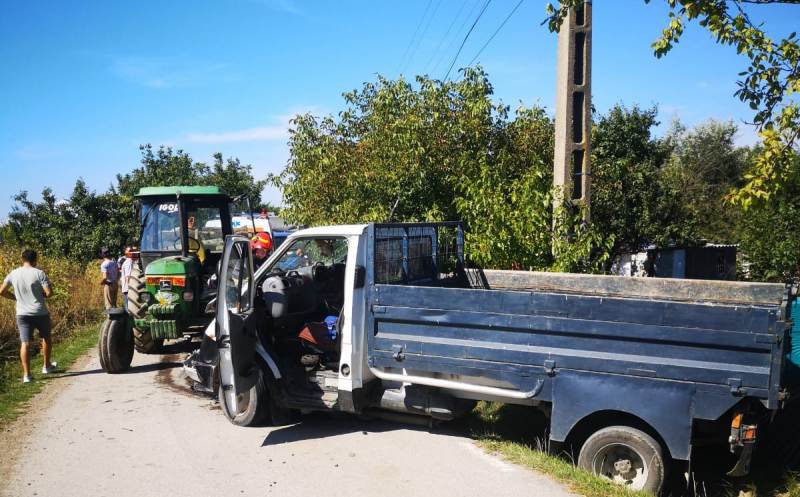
x,y
143,341
115,346
626,456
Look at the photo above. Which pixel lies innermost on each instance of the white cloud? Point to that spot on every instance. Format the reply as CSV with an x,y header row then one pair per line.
x,y
170,72
36,151
264,133
270,132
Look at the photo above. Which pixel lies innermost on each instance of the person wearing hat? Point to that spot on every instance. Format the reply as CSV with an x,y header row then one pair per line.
x,y
261,244
125,269
110,279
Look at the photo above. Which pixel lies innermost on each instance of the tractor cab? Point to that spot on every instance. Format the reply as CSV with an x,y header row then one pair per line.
x,y
183,229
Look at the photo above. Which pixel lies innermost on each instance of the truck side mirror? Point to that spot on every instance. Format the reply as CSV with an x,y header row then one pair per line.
x,y
361,276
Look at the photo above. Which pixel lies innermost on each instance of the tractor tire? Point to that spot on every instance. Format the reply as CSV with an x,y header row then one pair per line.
x,y
115,346
143,341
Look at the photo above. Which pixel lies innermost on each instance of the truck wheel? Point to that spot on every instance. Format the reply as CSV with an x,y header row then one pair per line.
x,y
626,456
115,346
143,341
256,406
252,407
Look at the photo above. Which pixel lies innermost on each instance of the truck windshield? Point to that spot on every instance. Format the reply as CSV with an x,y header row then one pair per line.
x,y
310,252
161,231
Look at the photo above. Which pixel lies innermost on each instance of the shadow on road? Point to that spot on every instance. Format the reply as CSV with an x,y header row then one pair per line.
x,y
70,374
156,366
324,425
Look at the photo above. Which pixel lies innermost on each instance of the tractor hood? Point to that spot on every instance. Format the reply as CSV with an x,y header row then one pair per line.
x,y
172,265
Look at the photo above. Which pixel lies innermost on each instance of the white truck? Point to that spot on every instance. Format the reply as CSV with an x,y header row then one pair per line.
x,y
633,371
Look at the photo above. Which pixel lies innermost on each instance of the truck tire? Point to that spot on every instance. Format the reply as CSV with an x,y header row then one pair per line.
x,y
252,406
626,456
143,341
115,346
256,407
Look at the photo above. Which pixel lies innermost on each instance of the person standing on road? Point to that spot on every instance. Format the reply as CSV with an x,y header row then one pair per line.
x,y
125,272
31,286
110,279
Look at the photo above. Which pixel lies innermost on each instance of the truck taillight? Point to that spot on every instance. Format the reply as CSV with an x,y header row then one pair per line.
x,y
741,434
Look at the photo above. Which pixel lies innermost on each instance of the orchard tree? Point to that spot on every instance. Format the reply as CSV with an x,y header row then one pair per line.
x,y
630,200
433,150
769,84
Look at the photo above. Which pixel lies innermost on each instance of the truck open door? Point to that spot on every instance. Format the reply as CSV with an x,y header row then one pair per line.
x,y
236,324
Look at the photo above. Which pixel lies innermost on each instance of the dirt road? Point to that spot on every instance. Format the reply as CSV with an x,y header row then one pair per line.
x,y
144,434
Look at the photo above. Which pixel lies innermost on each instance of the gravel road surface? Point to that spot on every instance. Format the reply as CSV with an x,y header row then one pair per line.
x,y
144,433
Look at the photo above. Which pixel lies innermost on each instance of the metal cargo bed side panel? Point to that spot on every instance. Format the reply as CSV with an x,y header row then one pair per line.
x,y
515,337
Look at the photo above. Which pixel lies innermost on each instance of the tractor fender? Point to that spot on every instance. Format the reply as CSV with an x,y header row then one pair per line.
x,y
117,313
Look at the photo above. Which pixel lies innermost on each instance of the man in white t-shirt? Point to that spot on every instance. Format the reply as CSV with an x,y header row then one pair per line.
x,y
31,286
110,279
125,272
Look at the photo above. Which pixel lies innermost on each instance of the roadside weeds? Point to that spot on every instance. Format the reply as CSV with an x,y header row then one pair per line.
x,y
512,433
14,394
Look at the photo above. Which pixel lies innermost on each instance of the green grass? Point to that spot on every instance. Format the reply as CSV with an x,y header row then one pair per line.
x,y
14,394
515,434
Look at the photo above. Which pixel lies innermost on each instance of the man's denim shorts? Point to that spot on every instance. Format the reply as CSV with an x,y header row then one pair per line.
x,y
26,325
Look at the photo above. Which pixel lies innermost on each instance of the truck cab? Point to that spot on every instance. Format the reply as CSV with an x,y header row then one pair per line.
x,y
388,318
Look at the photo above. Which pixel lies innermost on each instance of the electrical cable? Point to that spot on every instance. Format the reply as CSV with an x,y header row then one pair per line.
x,y
496,31
456,35
414,36
446,34
422,35
465,39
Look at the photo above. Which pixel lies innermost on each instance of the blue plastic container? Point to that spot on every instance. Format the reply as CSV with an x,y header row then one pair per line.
x,y
330,322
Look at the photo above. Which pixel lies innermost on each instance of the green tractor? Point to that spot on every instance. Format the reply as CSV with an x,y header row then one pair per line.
x,y
183,230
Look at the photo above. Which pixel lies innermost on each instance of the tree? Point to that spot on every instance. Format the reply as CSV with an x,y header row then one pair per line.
x,y
770,240
768,85
433,151
77,227
629,197
703,167
166,167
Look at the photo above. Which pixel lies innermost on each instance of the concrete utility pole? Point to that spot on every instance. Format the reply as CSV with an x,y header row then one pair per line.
x,y
572,172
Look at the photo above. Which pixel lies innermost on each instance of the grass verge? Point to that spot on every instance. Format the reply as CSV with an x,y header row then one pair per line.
x,y
515,434
14,394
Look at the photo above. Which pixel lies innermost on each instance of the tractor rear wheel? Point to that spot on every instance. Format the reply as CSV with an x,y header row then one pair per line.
x,y
115,346
142,339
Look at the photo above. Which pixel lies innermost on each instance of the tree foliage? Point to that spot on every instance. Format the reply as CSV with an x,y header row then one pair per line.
x,y
769,84
433,150
78,226
704,165
629,197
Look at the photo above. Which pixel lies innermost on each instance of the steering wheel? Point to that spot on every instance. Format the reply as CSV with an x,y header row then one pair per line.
x,y
195,247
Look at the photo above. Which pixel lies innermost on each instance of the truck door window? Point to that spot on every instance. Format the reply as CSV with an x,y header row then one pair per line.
x,y
313,251
237,281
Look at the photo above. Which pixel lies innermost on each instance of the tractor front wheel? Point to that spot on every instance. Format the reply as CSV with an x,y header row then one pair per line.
x,y
143,341
115,345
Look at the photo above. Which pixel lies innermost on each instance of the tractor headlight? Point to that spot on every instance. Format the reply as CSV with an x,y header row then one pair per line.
x,y
188,296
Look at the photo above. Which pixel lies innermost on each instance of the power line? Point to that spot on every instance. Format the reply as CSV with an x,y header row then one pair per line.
x,y
456,35
496,31
414,36
465,38
424,32
446,33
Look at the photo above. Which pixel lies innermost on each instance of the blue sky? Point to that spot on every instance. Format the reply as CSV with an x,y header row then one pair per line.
x,y
84,83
